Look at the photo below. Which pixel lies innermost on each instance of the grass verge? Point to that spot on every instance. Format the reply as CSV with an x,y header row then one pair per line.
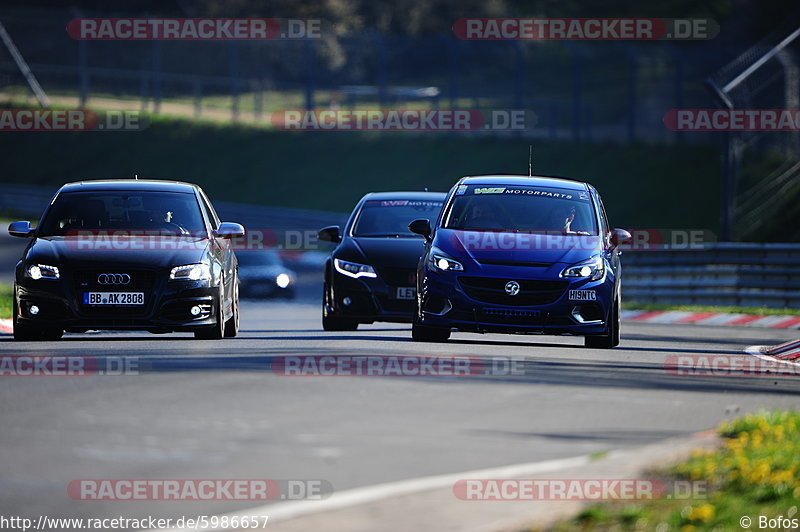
x,y
5,300
760,311
755,475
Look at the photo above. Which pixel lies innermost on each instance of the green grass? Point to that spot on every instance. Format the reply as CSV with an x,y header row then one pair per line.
x,y
760,311
6,300
754,473
332,170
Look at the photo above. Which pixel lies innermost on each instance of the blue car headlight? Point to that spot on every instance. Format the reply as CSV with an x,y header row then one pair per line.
x,y
42,271
354,269
441,262
593,269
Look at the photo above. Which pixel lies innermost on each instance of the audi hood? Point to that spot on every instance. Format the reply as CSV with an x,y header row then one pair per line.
x,y
131,252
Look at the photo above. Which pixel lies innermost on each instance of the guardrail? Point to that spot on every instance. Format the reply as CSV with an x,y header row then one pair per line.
x,y
752,275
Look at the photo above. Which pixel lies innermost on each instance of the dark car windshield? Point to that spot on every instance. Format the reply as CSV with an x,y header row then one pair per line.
x,y
521,209
258,258
170,213
390,218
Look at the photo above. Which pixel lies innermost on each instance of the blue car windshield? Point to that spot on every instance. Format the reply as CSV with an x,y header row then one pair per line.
x,y
390,218
521,209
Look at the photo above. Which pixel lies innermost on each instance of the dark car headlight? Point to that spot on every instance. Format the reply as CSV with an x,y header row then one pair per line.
x,y
354,269
441,262
191,272
592,269
42,271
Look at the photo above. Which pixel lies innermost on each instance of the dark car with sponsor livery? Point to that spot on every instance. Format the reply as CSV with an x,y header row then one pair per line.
x,y
127,255
371,275
514,254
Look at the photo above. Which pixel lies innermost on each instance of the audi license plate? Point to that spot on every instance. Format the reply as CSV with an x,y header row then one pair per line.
x,y
113,298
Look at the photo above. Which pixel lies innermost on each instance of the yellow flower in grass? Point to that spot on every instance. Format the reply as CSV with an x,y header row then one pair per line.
x,y
702,513
781,477
761,472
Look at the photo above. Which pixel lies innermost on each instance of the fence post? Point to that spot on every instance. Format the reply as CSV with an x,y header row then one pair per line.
x,y
728,166
197,94
310,73
258,99
577,88
83,72
382,70
791,91
156,76
233,59
633,73
519,75
677,61
452,68
143,89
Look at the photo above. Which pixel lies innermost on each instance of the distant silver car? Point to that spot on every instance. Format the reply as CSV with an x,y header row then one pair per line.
x,y
263,274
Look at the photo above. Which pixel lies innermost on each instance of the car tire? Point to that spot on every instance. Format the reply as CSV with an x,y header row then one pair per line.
x,y
334,323
232,325
338,324
610,339
216,331
423,333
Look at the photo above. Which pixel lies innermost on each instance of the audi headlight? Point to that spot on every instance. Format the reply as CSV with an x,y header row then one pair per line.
x,y
42,271
593,269
191,272
440,261
354,269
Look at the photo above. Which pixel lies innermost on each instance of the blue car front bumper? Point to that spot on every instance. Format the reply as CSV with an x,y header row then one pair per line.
x,y
545,303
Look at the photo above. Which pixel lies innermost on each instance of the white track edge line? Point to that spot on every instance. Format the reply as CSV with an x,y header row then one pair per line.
x,y
352,497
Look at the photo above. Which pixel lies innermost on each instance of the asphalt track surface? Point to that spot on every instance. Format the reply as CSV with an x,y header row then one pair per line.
x,y
216,409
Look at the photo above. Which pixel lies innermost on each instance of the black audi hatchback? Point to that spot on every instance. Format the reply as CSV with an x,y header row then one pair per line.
x,y
372,274
127,255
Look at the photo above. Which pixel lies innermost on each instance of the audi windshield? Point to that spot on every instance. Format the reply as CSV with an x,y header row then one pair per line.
x,y
134,213
521,209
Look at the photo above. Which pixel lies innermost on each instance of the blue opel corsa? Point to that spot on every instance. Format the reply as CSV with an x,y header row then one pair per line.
x,y
515,254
